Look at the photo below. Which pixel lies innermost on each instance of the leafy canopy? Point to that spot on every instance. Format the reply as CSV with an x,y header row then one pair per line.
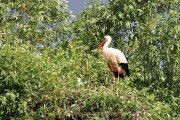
x,y
49,68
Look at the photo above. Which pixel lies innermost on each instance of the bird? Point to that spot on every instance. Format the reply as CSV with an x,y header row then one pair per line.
x,y
116,61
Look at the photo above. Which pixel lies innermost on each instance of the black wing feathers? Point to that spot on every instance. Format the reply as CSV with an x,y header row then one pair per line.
x,y
125,67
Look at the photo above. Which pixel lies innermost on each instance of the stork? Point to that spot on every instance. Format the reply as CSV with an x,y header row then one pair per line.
x,y
116,61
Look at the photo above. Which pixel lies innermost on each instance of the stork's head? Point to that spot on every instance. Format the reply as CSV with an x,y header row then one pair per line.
x,y
107,38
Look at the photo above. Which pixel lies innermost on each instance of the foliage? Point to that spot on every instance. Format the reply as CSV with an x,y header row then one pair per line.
x,y
40,22
148,34
23,75
49,68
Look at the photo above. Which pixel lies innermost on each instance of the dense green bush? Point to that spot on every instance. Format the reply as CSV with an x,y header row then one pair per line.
x,y
49,68
23,75
147,32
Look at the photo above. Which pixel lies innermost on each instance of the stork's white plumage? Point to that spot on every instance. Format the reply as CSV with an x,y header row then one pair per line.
x,y
115,60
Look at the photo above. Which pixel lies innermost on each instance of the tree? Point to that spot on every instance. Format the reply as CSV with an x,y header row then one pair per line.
x,y
70,80
147,31
41,22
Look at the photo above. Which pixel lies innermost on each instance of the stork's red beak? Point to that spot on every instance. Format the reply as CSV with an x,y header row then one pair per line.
x,y
101,45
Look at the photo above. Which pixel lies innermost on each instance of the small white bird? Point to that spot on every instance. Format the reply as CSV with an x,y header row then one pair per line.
x,y
116,61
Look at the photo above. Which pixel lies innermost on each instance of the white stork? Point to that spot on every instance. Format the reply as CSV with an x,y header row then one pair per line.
x,y
116,61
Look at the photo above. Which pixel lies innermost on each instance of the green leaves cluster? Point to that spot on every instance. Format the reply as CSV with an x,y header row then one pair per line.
x,y
146,31
23,74
40,22
49,68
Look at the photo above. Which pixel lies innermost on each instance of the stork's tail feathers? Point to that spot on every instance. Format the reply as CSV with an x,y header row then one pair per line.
x,y
125,67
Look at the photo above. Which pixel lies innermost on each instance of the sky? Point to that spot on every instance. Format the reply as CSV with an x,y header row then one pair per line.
x,y
76,6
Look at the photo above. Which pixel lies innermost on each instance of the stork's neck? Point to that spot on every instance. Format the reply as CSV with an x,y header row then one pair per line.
x,y
106,44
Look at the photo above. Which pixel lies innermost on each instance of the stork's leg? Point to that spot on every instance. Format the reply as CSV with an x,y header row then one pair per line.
x,y
115,86
117,82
